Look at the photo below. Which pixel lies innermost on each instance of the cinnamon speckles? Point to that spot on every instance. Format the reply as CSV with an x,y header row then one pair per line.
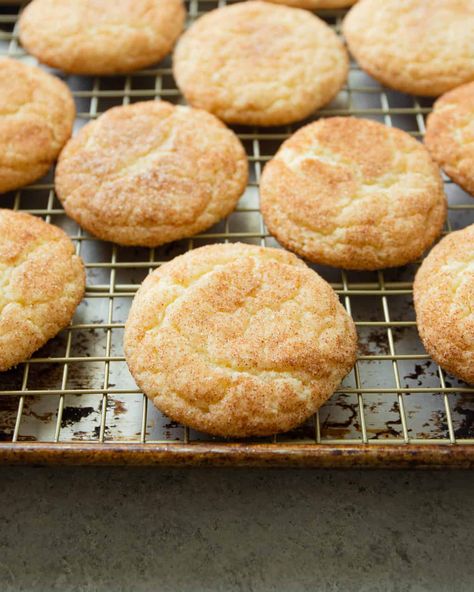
x,y
257,63
111,37
36,117
353,193
444,303
42,281
238,340
150,173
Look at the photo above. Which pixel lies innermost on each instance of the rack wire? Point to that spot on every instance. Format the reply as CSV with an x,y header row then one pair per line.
x,y
76,397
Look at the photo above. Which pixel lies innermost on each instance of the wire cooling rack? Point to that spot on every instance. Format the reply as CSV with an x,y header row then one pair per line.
x,y
75,400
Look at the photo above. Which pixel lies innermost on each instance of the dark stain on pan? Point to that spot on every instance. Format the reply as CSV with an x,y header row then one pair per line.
x,y
41,416
86,343
466,428
119,407
72,415
171,425
45,376
8,413
420,371
391,430
338,429
437,424
79,434
84,339
169,430
391,426
9,404
440,422
11,379
337,433
377,338
7,420
96,432
305,431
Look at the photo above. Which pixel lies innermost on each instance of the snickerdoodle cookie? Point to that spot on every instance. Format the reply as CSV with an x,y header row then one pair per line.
x,y
36,117
101,36
444,303
450,135
41,283
315,4
353,193
257,63
414,46
150,173
238,340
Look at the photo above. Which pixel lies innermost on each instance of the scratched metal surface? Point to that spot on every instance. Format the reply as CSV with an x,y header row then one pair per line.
x,y
78,388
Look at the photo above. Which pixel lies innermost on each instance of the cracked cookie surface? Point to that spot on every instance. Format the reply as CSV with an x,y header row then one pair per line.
x,y
450,135
101,36
257,63
36,117
238,340
444,302
424,48
150,173
353,193
42,281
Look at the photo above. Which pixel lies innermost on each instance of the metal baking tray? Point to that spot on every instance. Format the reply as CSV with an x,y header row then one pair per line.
x,y
75,401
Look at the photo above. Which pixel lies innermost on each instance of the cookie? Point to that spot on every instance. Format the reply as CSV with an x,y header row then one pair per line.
x,y
257,63
238,340
315,4
353,193
150,173
418,47
42,282
444,297
36,117
450,135
100,36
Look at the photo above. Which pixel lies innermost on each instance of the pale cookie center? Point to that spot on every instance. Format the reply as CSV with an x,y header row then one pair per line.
x,y
193,315
383,185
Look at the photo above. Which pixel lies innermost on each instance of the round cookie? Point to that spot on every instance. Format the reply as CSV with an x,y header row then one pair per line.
x,y
418,47
257,63
238,340
100,36
42,281
150,173
36,118
315,4
450,135
353,193
444,295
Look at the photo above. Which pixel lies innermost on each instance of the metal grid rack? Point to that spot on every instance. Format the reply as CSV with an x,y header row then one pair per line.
x,y
75,401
